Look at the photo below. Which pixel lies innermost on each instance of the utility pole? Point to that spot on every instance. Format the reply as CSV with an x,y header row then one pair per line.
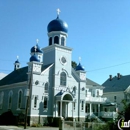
x,y
28,100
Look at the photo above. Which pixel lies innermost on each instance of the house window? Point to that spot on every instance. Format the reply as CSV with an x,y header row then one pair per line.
x,y
1,99
97,93
63,79
46,88
35,101
62,41
82,105
86,92
10,96
50,41
45,103
56,40
19,98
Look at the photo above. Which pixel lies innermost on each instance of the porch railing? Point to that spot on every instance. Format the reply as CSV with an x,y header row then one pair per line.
x,y
96,99
108,114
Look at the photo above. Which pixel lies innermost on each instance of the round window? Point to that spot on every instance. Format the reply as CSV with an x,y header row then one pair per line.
x,y
63,60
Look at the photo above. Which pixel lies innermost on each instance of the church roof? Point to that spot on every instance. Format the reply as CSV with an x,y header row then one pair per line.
x,y
57,25
17,61
79,67
36,49
117,84
34,58
19,75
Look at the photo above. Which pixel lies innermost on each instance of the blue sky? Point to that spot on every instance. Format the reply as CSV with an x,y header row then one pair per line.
x,y
99,33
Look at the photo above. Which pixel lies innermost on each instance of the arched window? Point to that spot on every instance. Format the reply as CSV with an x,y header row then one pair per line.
x,y
1,99
63,78
20,93
45,103
82,105
86,92
35,101
62,41
74,91
10,96
56,40
46,88
97,93
50,41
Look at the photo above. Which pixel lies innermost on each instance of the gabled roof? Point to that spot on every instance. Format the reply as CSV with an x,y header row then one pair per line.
x,y
115,84
93,84
90,82
19,75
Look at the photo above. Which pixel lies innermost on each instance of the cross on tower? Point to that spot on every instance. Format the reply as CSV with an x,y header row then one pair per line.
x,y
79,59
17,57
37,40
58,12
35,48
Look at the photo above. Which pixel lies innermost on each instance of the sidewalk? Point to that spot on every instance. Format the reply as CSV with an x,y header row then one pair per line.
x,y
28,128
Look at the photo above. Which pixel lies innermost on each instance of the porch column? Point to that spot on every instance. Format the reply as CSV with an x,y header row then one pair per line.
x,y
56,109
60,108
90,108
98,109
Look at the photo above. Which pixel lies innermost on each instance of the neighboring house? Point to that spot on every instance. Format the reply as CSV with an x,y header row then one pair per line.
x,y
117,88
56,89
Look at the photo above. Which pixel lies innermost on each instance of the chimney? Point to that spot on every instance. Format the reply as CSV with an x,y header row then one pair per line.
x,y
110,77
118,76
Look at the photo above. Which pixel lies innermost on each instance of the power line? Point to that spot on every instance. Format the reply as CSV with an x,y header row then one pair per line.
x,y
108,67
88,70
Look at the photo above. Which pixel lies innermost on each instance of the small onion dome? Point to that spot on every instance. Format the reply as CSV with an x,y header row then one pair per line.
x,y
34,58
36,49
57,25
79,67
17,61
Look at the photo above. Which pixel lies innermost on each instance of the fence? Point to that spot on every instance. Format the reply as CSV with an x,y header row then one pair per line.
x,y
73,125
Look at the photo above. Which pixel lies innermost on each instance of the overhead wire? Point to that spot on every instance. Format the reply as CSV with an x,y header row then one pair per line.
x,y
107,67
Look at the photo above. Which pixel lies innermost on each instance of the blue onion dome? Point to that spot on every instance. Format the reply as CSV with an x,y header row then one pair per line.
x,y
57,25
36,49
79,67
17,61
34,58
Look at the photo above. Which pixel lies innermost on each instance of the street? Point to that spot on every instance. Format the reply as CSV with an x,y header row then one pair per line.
x,y
28,128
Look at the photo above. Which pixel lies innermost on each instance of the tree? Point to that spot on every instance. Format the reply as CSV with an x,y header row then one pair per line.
x,y
73,64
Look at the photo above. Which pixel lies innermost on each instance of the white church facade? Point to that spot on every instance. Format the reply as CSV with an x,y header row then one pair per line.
x,y
54,87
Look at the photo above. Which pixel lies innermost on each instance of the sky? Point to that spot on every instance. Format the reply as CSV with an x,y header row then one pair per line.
x,y
99,33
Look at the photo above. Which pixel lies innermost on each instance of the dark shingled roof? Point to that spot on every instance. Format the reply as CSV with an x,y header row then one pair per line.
x,y
116,84
19,75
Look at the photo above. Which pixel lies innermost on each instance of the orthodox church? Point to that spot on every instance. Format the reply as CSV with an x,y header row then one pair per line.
x,y
52,85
